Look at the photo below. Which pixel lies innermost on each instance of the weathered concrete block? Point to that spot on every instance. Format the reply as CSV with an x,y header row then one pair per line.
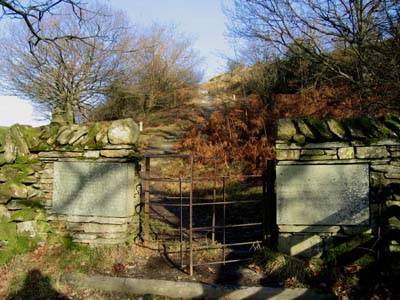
x,y
104,228
337,194
346,153
300,244
287,154
308,229
94,189
92,219
372,152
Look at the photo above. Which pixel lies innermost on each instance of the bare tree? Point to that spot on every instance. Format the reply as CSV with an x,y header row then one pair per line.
x,y
33,13
315,28
69,77
164,64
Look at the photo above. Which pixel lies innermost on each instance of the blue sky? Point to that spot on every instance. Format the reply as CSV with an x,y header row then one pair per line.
x,y
201,19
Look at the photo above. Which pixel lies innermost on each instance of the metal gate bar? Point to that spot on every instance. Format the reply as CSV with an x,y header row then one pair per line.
x,y
213,202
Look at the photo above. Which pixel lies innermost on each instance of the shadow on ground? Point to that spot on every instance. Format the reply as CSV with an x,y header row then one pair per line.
x,y
36,287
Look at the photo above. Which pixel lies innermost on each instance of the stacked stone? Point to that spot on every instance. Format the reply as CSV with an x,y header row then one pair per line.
x,y
21,210
374,141
27,157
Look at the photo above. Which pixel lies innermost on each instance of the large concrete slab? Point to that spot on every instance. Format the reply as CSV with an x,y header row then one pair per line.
x,y
94,189
323,194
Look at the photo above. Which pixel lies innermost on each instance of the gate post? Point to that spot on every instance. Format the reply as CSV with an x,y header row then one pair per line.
x,y
146,228
191,218
269,204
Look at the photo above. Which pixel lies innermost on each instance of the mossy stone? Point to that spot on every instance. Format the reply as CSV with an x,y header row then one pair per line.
x,y
14,190
321,128
27,214
355,129
48,132
90,139
337,128
3,132
392,122
43,226
8,231
31,135
4,214
305,129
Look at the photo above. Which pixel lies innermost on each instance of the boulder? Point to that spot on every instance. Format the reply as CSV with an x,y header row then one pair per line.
x,y
125,132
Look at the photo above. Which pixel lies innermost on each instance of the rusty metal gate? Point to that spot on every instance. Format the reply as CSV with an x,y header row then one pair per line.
x,y
193,209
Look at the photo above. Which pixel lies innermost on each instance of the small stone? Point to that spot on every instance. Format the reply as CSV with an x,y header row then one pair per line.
x,y
299,138
372,152
14,190
26,214
287,154
10,150
117,153
91,154
305,129
312,152
27,228
4,213
78,133
336,128
346,153
101,136
66,134
321,128
123,132
16,205
286,130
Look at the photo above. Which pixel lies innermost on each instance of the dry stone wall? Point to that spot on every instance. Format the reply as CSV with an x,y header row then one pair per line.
x,y
343,178
40,166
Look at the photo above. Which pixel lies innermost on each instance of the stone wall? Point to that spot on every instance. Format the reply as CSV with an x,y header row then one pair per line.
x,y
41,167
348,175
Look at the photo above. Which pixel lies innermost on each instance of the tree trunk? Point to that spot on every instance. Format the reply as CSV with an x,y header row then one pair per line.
x,y
69,113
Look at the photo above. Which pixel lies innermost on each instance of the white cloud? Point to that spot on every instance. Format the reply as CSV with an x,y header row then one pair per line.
x,y
14,110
